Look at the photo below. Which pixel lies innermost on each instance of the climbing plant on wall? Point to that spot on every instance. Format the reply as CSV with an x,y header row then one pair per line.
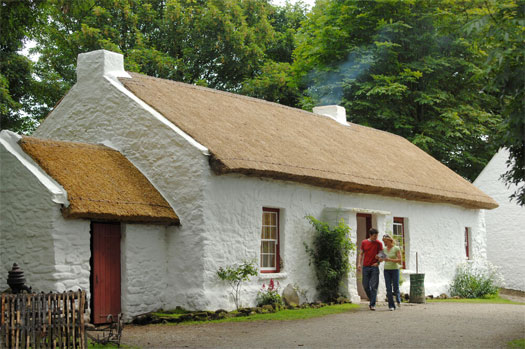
x,y
329,253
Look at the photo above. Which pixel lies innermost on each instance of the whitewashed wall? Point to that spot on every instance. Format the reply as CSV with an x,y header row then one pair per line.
x,y
505,224
144,268
233,224
98,109
33,232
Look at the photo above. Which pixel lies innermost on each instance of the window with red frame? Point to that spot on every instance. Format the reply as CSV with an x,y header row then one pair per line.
x,y
398,233
270,241
467,242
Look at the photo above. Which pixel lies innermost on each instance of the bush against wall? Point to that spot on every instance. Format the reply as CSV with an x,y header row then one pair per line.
x,y
235,276
330,255
476,280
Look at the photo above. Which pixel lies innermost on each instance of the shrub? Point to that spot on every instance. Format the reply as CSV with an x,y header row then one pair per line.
x,y
235,276
475,280
269,295
330,255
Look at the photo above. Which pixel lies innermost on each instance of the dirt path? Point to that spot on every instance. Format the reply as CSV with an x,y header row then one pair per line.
x,y
431,325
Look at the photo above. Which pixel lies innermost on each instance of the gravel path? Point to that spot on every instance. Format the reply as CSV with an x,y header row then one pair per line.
x,y
431,325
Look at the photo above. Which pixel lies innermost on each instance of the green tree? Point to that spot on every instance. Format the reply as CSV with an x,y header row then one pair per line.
x,y
216,43
403,67
274,80
16,82
499,27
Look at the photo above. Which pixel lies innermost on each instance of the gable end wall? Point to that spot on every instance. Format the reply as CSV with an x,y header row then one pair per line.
x,y
504,224
102,111
34,234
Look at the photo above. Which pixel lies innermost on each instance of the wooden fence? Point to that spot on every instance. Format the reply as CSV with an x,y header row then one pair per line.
x,y
53,320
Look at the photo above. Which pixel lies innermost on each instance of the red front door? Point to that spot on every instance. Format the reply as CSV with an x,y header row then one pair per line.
x,y
105,272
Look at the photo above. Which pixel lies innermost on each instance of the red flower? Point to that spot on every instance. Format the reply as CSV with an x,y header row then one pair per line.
x,y
271,287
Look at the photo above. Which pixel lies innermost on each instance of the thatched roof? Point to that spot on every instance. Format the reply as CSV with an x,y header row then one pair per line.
x,y
258,138
101,183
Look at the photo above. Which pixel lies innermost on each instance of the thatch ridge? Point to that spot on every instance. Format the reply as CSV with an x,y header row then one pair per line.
x,y
101,183
259,138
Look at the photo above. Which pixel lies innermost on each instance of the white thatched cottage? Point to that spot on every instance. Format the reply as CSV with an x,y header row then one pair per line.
x,y
61,204
241,174
505,224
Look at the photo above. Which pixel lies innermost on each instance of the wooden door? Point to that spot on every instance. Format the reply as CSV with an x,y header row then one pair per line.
x,y
105,272
364,224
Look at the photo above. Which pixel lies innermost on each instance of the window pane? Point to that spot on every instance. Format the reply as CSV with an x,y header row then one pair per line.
x,y
397,229
265,233
274,218
272,233
271,247
266,218
271,260
265,261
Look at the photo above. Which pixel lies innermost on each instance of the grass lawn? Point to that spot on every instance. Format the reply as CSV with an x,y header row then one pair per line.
x,y
282,315
516,344
489,300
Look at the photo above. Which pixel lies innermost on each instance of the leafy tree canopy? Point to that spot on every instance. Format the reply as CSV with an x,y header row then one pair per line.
x,y
16,83
403,67
216,43
499,26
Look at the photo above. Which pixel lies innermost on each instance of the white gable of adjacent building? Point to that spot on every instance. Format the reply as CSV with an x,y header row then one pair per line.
x,y
505,224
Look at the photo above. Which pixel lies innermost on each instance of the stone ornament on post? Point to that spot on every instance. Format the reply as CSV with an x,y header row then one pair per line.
x,y
16,280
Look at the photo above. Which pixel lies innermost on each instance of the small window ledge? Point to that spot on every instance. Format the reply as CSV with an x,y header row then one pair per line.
x,y
268,276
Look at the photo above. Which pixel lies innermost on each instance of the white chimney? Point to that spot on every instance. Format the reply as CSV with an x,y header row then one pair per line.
x,y
96,64
335,112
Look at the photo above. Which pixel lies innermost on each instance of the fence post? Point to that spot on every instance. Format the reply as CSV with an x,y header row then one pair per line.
x,y
2,325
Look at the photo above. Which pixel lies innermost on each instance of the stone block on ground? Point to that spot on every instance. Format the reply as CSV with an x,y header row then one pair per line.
x,y
290,296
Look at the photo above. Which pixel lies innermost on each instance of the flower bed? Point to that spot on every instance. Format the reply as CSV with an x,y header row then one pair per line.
x,y
179,315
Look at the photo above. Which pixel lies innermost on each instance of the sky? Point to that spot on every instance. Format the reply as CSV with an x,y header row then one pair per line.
x,y
310,3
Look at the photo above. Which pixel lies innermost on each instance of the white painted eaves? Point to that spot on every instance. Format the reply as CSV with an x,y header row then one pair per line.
x,y
118,85
9,140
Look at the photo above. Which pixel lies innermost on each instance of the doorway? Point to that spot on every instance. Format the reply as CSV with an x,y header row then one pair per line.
x,y
364,224
105,272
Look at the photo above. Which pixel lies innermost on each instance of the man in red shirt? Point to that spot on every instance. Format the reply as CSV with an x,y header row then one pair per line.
x,y
367,258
